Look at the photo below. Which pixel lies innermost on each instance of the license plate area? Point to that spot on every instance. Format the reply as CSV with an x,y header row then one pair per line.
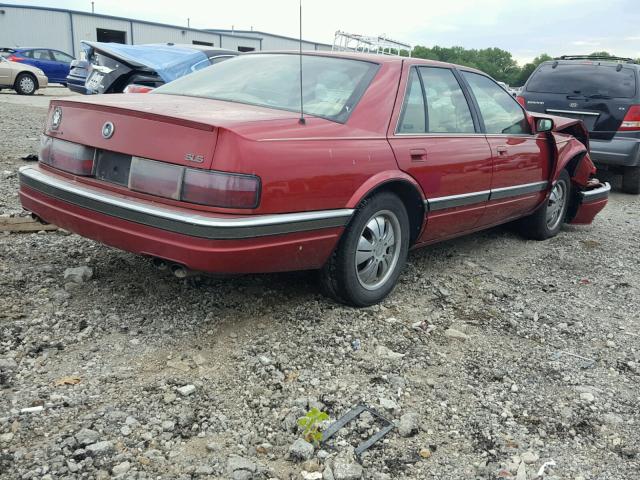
x,y
113,167
94,81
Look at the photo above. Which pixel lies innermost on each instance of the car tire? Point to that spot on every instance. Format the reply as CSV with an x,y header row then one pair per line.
x,y
631,180
365,266
26,84
547,221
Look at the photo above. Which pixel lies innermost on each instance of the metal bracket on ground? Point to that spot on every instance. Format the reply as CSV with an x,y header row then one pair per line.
x,y
351,415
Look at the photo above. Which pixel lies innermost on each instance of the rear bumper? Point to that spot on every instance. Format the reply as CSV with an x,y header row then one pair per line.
x,y
622,151
198,240
591,202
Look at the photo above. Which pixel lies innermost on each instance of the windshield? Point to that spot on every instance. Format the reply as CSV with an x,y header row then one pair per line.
x,y
331,86
584,79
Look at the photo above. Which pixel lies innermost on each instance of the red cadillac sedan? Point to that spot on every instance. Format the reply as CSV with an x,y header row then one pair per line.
x,y
219,172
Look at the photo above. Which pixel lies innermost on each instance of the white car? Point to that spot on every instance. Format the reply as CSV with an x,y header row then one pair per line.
x,y
24,79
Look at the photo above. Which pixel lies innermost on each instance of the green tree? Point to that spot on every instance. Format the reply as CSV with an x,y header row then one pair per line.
x,y
527,69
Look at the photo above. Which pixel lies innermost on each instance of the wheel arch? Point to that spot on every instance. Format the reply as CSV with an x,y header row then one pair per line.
x,y
402,185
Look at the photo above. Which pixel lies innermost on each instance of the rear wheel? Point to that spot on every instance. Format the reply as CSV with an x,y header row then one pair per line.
x,y
366,265
631,180
25,84
547,221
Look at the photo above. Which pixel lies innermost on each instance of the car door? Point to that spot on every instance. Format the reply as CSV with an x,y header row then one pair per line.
x,y
521,159
42,59
436,138
62,64
6,75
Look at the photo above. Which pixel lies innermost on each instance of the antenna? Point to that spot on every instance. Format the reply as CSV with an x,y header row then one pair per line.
x,y
301,121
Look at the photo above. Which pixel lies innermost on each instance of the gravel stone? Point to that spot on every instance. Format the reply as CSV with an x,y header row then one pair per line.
x,y
100,448
186,390
78,274
409,424
301,450
86,437
455,334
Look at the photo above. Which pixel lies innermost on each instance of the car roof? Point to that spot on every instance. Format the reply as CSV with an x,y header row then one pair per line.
x,y
372,57
595,61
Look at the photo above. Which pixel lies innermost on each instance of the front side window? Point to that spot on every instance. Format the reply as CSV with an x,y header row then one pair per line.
x,y
500,111
331,87
447,107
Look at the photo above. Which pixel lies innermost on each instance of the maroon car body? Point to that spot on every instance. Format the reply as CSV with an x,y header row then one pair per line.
x,y
310,179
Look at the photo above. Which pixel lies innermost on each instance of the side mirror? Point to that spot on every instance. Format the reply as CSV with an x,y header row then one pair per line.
x,y
544,125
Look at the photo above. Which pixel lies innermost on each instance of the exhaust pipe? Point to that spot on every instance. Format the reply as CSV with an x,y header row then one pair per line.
x,y
179,271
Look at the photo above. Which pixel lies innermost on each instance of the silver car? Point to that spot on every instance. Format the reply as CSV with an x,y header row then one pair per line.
x,y
24,79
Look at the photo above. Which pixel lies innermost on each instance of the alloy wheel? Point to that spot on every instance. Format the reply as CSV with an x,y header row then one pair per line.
x,y
378,249
555,205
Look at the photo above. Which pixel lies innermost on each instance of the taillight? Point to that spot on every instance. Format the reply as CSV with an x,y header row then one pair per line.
x,y
15,58
70,157
155,178
133,88
522,101
631,121
219,189
204,187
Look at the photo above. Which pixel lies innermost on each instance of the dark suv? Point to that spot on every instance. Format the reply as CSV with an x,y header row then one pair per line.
x,y
604,93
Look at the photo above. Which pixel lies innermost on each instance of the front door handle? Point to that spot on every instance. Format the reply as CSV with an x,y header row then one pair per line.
x,y
501,149
418,155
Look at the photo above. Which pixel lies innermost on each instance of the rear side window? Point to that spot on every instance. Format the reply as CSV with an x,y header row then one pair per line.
x,y
412,119
446,109
584,79
500,111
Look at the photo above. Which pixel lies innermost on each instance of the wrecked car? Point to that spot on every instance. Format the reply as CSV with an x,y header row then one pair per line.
x,y
111,67
244,168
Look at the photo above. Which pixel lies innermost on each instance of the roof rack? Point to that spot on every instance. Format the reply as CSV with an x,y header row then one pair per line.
x,y
596,57
381,44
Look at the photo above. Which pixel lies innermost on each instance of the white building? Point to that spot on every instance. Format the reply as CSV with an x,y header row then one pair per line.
x,y
59,29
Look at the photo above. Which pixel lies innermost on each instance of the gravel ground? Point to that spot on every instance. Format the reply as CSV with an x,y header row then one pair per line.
x,y
494,355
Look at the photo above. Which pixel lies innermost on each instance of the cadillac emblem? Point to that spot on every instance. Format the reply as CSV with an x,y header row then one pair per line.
x,y
107,130
56,118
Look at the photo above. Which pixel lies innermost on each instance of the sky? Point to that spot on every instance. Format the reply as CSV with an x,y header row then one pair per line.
x,y
525,29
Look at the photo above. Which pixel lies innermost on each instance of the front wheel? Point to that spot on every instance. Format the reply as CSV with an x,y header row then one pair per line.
x,y
25,84
366,265
547,221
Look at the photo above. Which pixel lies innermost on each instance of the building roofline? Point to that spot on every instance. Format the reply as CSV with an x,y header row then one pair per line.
x,y
259,32
125,19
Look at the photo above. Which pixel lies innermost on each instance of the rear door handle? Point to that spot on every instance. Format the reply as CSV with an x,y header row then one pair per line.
x,y
418,155
501,149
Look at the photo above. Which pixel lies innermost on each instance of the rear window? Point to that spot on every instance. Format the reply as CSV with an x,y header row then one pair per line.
x,y
331,87
582,79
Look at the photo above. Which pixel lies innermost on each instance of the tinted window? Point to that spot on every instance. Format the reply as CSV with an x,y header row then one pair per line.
x,y
584,79
412,119
447,107
26,53
61,57
500,111
331,86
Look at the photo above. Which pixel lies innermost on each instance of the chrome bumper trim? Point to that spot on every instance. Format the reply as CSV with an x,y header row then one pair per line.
x,y
179,221
596,194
